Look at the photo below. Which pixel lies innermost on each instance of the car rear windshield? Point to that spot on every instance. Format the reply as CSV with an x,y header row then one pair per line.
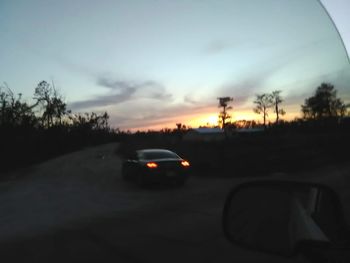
x,y
158,155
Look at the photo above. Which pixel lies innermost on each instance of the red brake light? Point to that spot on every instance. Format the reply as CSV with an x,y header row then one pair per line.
x,y
185,163
152,165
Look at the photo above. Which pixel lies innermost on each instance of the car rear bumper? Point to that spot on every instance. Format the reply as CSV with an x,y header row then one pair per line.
x,y
166,176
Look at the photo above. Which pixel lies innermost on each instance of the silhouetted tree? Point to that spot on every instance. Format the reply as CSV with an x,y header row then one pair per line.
x,y
263,103
180,127
52,104
165,130
58,108
277,100
14,112
20,127
245,124
90,121
103,121
223,115
323,104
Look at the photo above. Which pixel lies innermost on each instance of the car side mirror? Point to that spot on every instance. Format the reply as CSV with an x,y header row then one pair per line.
x,y
283,217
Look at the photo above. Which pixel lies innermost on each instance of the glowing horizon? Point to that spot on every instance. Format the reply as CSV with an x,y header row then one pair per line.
x,y
211,120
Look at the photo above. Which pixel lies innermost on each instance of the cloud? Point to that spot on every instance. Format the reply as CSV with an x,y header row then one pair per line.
x,y
218,46
189,99
255,79
121,92
222,45
243,89
153,90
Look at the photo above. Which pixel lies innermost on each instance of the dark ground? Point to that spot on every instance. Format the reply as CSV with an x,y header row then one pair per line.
x,y
76,208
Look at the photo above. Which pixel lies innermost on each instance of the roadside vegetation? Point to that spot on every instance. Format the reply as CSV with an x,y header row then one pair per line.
x,y
31,133
290,147
35,132
321,137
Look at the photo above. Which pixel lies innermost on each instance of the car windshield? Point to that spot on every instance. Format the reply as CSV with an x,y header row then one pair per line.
x,y
235,90
153,155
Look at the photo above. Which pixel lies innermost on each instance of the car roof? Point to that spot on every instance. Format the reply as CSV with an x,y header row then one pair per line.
x,y
153,150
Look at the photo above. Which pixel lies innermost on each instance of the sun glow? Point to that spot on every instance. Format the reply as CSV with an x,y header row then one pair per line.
x,y
212,120
209,120
244,115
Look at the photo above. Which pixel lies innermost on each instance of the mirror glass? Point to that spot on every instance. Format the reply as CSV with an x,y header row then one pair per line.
x,y
278,217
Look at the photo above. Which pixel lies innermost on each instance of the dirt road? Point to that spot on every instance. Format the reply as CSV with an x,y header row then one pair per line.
x,y
76,208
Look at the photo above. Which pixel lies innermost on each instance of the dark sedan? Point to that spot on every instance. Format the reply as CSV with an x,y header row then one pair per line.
x,y
155,165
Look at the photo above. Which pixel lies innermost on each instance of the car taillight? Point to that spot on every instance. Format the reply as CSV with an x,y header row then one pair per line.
x,y
185,163
152,165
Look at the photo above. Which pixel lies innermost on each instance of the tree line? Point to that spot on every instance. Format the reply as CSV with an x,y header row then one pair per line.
x,y
323,105
266,101
45,128
48,111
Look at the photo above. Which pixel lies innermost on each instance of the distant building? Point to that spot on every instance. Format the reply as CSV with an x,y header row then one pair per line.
x,y
250,130
216,134
205,134
205,130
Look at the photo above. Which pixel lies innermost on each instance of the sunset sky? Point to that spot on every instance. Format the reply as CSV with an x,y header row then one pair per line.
x,y
153,63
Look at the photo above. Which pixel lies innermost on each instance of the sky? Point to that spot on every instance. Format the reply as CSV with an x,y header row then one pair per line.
x,y
154,63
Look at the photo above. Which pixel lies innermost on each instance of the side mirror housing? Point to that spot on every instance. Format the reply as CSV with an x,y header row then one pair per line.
x,y
283,217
